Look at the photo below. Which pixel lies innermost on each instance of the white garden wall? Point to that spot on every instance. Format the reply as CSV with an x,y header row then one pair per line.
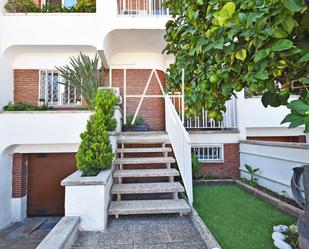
x,y
275,160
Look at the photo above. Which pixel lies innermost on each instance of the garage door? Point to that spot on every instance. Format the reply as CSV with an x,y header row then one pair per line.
x,y
45,172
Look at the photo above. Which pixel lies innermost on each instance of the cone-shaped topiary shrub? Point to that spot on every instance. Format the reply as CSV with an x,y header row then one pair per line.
x,y
95,151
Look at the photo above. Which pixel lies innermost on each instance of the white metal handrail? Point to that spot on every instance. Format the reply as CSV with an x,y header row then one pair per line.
x,y
203,121
181,144
142,7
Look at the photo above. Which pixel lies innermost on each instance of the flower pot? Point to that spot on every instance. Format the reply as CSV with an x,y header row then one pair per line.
x,y
137,128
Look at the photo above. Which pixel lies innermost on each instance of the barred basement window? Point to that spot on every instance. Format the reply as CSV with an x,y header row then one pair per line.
x,y
209,152
54,91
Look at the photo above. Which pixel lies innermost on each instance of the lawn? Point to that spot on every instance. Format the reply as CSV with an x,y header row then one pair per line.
x,y
237,219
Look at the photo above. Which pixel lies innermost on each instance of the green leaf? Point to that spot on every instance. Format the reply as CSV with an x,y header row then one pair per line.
x,y
200,2
220,43
292,5
305,58
260,55
272,99
225,13
298,106
294,120
241,54
281,45
230,8
262,75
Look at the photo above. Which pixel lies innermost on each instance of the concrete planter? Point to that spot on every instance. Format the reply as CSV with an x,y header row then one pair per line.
x,y
88,198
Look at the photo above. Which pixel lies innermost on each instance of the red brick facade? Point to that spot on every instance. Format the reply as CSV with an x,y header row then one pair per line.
x,y
229,168
152,109
19,172
26,86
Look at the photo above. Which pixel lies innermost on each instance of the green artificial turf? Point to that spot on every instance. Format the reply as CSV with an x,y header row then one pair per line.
x,y
237,219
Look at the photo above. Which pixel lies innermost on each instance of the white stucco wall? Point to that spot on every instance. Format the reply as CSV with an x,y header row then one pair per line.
x,y
89,201
22,131
275,161
36,132
261,121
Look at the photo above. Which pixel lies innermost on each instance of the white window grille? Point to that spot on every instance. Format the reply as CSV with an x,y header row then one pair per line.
x,y
209,152
54,91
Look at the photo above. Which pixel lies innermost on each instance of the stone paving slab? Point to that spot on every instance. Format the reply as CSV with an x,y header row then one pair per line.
x,y
27,234
143,232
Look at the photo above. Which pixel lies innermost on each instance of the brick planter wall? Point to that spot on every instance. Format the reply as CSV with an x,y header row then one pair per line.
x,y
19,175
229,168
26,86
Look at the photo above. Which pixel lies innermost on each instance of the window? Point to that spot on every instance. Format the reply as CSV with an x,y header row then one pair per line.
x,y
209,152
55,92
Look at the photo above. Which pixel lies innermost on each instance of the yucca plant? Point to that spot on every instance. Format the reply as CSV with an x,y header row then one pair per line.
x,y
85,74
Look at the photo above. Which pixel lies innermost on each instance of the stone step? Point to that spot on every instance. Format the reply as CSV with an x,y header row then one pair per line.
x,y
147,188
145,173
144,150
144,160
143,139
149,207
143,133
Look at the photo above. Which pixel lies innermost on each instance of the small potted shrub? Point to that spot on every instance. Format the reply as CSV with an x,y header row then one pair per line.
x,y
139,124
95,151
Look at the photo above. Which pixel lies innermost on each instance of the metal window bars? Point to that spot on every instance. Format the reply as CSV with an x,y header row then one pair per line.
x,y
209,152
142,7
55,92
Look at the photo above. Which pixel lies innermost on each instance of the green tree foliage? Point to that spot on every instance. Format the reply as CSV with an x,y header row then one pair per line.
x,y
86,6
95,151
226,46
16,6
85,74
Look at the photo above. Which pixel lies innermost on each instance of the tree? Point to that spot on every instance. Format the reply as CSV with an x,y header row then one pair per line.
x,y
95,151
85,74
226,46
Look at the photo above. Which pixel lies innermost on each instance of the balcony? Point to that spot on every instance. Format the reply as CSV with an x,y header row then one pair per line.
x,y
203,122
142,8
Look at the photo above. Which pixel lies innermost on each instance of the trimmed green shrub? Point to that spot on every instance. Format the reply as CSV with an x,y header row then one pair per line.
x,y
20,6
95,151
85,6
21,106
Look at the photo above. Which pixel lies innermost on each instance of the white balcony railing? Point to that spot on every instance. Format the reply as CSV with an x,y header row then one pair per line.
x,y
142,7
203,121
181,144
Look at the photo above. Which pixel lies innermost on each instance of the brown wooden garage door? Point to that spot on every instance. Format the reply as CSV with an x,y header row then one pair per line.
x,y
45,172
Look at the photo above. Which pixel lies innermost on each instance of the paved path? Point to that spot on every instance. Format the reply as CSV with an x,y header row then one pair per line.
x,y
27,234
143,232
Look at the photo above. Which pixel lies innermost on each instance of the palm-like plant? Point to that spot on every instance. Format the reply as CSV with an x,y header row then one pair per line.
x,y
85,74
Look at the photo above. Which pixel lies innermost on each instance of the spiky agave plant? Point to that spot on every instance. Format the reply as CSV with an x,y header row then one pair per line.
x,y
85,74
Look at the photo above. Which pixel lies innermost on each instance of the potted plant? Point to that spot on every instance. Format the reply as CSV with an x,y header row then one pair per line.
x,y
138,125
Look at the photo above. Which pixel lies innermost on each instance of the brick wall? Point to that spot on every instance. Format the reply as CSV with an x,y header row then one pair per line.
x,y
152,109
229,168
37,3
19,173
26,86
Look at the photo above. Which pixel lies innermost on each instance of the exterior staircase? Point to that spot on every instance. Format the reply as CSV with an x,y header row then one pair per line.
x,y
144,179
